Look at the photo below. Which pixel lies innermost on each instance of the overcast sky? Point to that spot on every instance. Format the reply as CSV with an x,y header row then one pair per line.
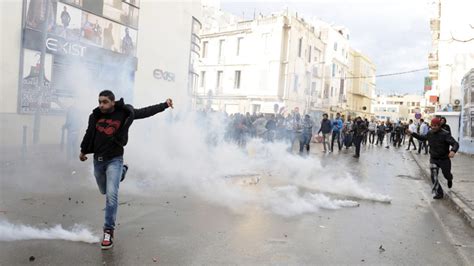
x,y
395,34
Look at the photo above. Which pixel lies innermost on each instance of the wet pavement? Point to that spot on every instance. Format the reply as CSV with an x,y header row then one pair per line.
x,y
173,226
461,194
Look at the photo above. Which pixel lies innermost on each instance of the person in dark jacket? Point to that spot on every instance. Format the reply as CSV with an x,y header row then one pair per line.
x,y
326,130
359,129
389,133
105,137
380,133
440,142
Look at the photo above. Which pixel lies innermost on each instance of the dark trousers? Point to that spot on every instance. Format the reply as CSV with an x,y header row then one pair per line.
x,y
411,141
380,138
435,165
371,137
336,135
398,140
421,145
357,142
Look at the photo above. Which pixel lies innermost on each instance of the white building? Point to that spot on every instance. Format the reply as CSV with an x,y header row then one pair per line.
x,y
452,54
336,67
398,107
261,65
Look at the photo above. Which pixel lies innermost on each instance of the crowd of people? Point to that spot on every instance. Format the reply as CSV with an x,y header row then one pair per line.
x,y
345,132
434,139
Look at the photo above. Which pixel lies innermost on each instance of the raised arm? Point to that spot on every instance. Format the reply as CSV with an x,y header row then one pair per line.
x,y
152,110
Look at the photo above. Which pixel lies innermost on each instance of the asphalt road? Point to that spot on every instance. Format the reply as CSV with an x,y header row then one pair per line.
x,y
174,226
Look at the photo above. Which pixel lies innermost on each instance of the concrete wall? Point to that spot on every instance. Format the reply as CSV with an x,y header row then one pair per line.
x,y
11,123
164,43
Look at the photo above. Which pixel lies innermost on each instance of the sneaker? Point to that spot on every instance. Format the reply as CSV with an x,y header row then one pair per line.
x,y
108,240
437,196
450,183
124,172
356,156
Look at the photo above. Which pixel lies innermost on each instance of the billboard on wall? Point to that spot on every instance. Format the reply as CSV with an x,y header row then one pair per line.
x,y
76,38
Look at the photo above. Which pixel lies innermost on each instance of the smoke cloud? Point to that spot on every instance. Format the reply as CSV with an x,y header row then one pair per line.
x,y
12,232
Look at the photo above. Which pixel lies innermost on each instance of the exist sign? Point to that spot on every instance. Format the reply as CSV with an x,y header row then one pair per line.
x,y
165,75
64,47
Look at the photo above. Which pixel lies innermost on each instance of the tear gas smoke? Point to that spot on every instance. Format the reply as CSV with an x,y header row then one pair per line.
x,y
189,151
12,232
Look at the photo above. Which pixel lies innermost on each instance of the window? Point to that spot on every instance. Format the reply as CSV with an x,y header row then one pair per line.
x,y
219,79
335,46
309,56
295,83
239,41
203,79
221,47
204,49
237,80
300,46
333,70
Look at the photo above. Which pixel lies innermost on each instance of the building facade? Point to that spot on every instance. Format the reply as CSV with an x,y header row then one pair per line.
x,y
452,54
264,65
57,56
398,107
360,84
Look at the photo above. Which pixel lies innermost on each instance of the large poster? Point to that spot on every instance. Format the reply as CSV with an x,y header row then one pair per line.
x,y
39,13
82,50
121,12
93,29
34,94
68,22
128,41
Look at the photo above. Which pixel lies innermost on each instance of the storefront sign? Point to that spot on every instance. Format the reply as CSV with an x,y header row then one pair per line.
x,y
65,47
165,75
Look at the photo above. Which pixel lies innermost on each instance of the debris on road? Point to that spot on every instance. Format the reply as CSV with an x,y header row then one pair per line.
x,y
381,249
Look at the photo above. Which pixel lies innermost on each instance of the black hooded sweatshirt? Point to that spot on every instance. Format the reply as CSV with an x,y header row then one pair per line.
x,y
439,142
107,134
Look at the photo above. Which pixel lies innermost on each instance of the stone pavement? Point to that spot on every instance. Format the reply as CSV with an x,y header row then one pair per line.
x,y
462,192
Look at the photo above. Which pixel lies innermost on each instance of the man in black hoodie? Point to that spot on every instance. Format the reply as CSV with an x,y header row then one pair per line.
x,y
359,128
326,130
439,141
106,136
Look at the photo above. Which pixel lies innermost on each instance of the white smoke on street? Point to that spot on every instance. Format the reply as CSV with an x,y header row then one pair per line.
x,y
12,232
189,152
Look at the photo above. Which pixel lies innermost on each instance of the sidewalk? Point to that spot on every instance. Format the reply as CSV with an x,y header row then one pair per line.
x,y
462,192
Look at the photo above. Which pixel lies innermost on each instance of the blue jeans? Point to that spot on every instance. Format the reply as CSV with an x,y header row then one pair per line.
x,y
107,174
305,140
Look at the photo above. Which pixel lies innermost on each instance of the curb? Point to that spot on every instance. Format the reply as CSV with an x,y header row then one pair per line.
x,y
466,212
